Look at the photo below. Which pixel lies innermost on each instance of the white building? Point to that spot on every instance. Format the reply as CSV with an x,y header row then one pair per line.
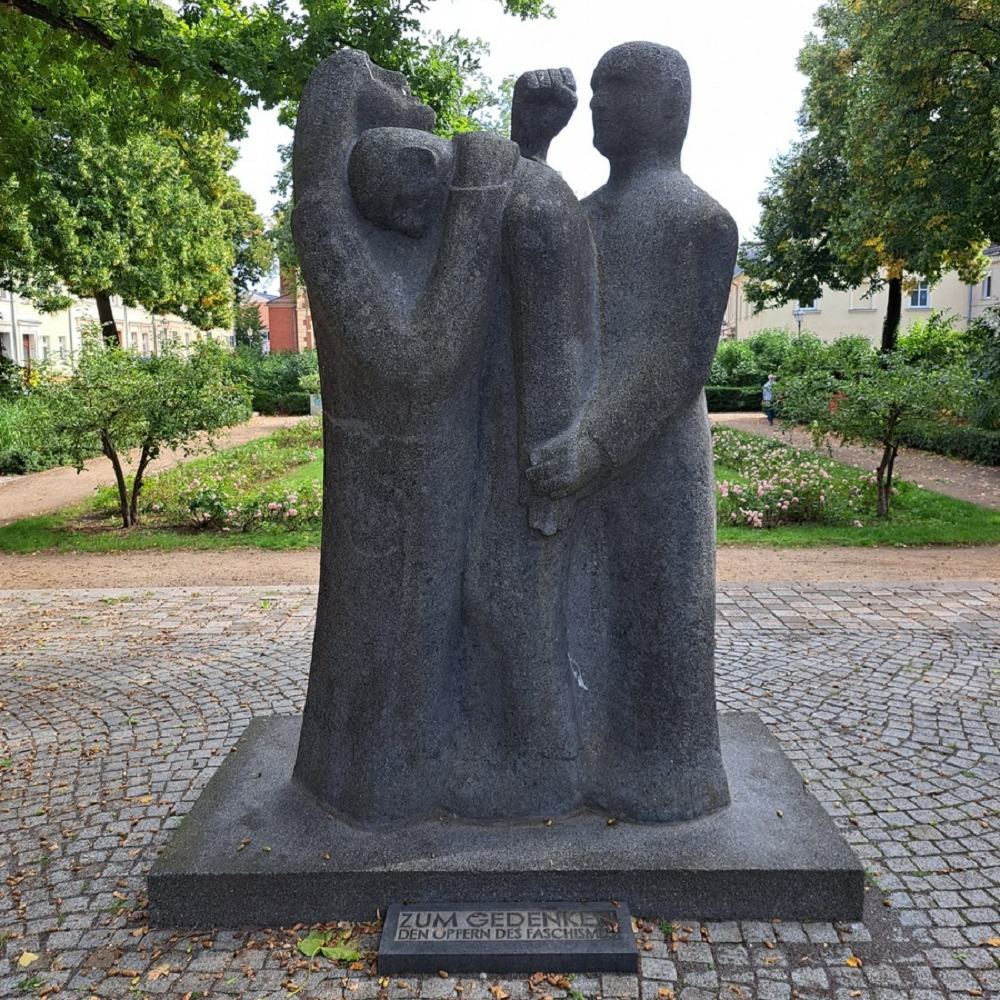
x,y
28,335
859,313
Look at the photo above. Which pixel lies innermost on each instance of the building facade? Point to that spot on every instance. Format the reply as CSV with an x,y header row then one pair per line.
x,y
859,313
285,316
28,335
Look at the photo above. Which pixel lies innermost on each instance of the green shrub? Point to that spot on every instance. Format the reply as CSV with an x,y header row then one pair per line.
x,y
26,440
292,404
274,379
978,444
748,362
732,398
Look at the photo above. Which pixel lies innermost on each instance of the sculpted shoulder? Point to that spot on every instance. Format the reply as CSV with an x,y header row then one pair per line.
x,y
540,200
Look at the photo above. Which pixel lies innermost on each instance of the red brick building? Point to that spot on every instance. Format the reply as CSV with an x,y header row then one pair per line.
x,y
286,316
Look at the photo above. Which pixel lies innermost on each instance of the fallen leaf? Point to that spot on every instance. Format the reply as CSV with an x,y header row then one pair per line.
x,y
854,962
993,942
312,943
26,959
158,972
144,800
340,953
240,846
665,993
499,993
767,944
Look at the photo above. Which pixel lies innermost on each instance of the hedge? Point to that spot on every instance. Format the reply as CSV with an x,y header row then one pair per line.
x,y
290,404
974,443
732,398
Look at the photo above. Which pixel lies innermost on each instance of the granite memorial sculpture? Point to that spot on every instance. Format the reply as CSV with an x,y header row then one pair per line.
x,y
515,624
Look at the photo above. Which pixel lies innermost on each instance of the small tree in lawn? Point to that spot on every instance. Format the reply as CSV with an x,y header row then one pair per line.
x,y
852,392
116,402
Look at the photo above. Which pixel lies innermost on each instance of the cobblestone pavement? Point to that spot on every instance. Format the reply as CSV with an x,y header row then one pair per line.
x,y
115,707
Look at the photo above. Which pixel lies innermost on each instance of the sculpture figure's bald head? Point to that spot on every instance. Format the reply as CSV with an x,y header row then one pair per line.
x,y
641,102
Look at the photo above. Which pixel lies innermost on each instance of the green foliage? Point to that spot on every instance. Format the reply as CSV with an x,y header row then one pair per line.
x,y
895,168
25,444
238,489
851,391
249,327
274,379
936,341
116,400
310,383
118,118
984,361
12,380
324,943
732,398
977,444
748,362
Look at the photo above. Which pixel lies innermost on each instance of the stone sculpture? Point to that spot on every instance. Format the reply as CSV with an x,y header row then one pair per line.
x,y
480,651
514,630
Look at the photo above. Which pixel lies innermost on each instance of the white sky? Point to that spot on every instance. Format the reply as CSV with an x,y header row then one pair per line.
x,y
746,90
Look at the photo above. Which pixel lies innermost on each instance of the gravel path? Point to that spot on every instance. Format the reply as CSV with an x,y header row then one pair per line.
x,y
44,492
116,707
247,567
952,476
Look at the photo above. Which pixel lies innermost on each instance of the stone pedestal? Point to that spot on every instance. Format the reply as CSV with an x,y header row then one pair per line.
x,y
773,852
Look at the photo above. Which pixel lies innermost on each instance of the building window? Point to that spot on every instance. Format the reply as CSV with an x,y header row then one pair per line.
x,y
988,286
808,307
861,300
45,349
920,297
62,348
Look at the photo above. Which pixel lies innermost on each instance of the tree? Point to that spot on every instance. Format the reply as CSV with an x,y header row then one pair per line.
x,y
105,101
157,220
116,401
894,174
849,390
250,329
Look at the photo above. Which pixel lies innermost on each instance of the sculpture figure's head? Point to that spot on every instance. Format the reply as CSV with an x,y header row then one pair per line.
x,y
641,102
400,177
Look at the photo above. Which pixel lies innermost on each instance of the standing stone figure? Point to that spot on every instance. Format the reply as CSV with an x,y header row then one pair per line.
x,y
399,238
642,590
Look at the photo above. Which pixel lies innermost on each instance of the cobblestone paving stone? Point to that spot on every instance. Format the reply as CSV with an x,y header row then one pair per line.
x,y
116,706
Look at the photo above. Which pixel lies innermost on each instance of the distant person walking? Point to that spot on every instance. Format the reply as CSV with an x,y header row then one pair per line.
x,y
767,395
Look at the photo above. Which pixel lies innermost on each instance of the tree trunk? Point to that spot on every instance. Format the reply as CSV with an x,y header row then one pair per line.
x,y
893,312
883,477
123,504
137,484
109,328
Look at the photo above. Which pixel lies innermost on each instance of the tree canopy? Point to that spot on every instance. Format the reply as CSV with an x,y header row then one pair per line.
x,y
896,171
118,119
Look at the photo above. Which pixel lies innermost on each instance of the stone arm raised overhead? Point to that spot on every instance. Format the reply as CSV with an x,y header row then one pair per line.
x,y
411,340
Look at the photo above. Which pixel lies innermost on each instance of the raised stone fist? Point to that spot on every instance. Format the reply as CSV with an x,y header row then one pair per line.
x,y
544,101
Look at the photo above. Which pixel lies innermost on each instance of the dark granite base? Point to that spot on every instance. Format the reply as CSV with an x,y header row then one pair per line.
x,y
773,852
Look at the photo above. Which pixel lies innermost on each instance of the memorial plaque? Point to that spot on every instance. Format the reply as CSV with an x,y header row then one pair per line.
x,y
550,937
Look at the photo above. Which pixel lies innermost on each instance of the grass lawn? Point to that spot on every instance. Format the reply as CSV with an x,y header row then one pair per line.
x,y
288,464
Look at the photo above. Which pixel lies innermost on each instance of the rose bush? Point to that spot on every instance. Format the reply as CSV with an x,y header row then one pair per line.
x,y
773,484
